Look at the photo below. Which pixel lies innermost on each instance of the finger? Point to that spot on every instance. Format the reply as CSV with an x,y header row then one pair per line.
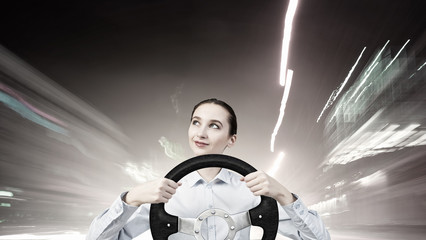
x,y
250,176
172,183
170,190
162,200
259,179
253,183
259,193
167,195
256,188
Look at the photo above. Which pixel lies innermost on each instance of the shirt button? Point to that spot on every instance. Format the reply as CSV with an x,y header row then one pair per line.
x,y
302,212
297,205
210,206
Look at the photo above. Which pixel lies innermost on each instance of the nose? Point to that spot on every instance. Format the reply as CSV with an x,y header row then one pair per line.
x,y
202,132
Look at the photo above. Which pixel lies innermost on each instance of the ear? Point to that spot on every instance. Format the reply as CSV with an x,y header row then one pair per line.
x,y
232,140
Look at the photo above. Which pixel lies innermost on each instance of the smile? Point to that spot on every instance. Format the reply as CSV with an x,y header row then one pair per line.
x,y
200,144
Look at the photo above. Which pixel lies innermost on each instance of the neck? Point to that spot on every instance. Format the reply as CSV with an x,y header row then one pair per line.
x,y
209,174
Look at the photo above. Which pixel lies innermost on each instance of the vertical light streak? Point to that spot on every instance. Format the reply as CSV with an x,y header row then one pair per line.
x,y
336,92
276,164
282,108
399,52
370,69
286,75
289,16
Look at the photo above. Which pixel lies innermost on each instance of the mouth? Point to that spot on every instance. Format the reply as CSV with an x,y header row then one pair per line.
x,y
200,144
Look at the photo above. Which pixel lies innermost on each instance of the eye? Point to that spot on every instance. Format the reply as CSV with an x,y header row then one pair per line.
x,y
214,125
195,122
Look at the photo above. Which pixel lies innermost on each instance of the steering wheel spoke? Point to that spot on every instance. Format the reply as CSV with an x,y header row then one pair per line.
x,y
186,225
242,220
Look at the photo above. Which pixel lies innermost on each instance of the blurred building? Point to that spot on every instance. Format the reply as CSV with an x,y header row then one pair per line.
x,y
61,161
383,110
374,173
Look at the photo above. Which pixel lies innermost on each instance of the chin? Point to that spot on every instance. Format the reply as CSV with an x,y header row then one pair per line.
x,y
198,152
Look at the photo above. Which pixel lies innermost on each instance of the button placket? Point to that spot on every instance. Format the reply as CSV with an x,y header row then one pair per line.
x,y
210,221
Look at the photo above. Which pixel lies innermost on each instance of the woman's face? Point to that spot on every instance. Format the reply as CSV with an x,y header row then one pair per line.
x,y
208,132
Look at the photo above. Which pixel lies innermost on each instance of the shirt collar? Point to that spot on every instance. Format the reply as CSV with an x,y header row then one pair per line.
x,y
194,178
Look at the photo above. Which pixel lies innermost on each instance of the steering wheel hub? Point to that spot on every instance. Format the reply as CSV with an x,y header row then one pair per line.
x,y
218,213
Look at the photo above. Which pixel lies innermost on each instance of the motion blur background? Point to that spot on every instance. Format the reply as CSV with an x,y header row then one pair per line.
x,y
96,98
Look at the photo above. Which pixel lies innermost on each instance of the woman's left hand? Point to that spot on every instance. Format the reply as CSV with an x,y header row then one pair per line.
x,y
261,183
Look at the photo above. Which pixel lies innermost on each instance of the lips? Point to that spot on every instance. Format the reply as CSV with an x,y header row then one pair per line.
x,y
200,144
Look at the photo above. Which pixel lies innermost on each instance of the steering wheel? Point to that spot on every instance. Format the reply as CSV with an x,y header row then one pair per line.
x,y
265,215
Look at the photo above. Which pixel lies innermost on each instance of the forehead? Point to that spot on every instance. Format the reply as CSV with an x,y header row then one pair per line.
x,y
211,111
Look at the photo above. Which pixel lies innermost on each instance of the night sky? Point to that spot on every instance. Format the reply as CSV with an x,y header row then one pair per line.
x,y
144,64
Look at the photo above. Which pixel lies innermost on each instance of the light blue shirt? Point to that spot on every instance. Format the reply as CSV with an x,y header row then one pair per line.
x,y
226,192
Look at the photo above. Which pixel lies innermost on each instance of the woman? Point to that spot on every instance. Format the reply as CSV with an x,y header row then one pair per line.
x,y
213,128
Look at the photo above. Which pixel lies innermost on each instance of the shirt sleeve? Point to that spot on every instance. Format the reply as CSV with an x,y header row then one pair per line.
x,y
306,223
120,222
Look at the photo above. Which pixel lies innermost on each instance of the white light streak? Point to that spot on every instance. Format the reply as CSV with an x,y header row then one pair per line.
x,y
362,92
289,16
399,136
331,206
421,140
378,55
370,68
282,108
390,138
336,92
421,66
6,194
396,55
286,75
380,136
373,179
276,164
364,80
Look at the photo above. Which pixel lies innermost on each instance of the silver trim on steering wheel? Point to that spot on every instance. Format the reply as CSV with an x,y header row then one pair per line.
x,y
235,223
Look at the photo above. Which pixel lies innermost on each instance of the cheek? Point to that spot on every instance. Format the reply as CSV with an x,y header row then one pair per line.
x,y
221,141
190,132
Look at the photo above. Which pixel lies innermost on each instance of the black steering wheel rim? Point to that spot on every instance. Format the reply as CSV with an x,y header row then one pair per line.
x,y
265,215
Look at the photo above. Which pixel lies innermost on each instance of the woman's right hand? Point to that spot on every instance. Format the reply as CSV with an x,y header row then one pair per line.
x,y
157,191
